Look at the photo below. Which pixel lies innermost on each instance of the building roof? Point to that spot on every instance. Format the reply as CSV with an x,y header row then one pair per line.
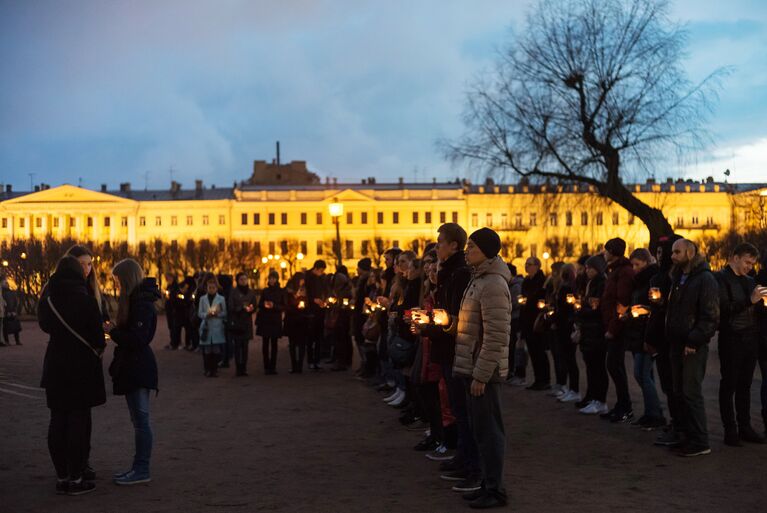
x,y
182,195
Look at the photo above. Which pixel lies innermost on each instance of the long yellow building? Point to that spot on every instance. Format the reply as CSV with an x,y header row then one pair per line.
x,y
548,221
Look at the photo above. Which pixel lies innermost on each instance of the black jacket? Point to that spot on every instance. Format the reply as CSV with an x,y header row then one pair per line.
x,y
73,376
134,365
533,290
269,320
589,319
692,316
636,327
761,312
452,279
737,312
241,319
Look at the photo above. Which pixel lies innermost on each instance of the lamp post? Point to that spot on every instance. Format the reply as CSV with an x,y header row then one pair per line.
x,y
336,210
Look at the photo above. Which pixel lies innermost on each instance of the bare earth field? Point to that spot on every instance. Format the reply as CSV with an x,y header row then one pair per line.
x,y
324,442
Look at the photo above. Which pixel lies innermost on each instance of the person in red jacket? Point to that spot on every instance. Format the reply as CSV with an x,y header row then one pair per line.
x,y
615,299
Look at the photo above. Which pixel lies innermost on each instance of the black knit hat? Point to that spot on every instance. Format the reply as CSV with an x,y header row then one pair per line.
x,y
365,264
487,241
598,263
616,246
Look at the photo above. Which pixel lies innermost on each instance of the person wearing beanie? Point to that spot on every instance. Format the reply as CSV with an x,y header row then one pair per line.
x,y
482,358
618,289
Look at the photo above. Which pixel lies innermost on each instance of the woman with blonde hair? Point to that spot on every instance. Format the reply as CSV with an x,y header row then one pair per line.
x,y
85,257
134,368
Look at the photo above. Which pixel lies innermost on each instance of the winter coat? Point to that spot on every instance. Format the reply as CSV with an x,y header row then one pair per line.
x,y
134,365
589,320
11,323
655,334
618,289
73,376
761,313
215,325
564,313
315,289
297,320
737,314
269,320
361,291
240,319
515,289
635,327
532,289
692,315
484,324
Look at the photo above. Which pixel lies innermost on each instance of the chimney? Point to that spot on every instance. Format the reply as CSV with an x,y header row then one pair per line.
x,y
278,153
37,188
125,187
9,188
401,180
364,181
175,186
198,185
103,187
327,180
335,181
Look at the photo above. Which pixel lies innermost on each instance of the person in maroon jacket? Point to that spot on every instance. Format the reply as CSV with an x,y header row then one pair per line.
x,y
617,296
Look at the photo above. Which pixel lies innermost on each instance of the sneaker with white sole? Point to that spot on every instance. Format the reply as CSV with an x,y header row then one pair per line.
x,y
555,390
470,484
570,397
399,400
594,408
518,382
441,453
392,397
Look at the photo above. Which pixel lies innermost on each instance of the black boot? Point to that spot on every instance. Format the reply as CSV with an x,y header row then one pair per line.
x,y
764,419
747,434
206,364
731,437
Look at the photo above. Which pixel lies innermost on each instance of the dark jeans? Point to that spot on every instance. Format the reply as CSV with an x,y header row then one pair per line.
x,y
688,373
432,409
569,362
138,406
314,341
175,332
536,347
597,381
241,354
558,355
69,441
616,367
487,426
466,448
297,350
343,347
269,351
737,361
517,356
663,366
643,374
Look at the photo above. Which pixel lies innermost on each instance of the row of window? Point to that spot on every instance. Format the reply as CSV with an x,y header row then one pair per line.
x,y
362,218
553,219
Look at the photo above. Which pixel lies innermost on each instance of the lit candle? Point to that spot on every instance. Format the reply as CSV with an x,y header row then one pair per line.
x,y
346,301
655,294
570,298
332,300
180,296
522,300
441,317
541,304
301,305
577,305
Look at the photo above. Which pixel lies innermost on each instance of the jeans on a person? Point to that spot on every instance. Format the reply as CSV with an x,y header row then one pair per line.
x,y
688,373
616,367
597,381
241,353
138,406
466,448
536,347
486,420
643,374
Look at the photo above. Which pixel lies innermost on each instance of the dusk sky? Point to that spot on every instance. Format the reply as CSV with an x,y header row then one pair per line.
x,y
108,91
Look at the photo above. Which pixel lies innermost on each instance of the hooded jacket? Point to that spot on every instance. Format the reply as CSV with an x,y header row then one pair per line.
x,y
73,376
134,365
484,324
692,315
618,289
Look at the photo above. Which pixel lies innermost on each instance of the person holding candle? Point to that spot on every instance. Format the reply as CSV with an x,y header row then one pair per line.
x,y
617,294
588,321
340,332
635,320
738,343
564,324
517,351
533,291
297,321
692,317
212,312
241,305
481,360
271,304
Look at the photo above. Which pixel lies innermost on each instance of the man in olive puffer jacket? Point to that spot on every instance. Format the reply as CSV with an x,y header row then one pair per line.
x,y
482,357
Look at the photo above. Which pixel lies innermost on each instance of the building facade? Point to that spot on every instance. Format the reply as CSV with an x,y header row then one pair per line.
x,y
549,221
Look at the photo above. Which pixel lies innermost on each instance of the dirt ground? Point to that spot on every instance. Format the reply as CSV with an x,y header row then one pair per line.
x,y
324,442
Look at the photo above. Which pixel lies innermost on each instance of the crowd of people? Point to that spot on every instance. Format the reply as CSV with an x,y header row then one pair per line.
x,y
440,332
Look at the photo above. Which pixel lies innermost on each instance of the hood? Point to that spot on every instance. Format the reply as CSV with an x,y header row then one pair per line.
x,y
697,266
494,265
147,291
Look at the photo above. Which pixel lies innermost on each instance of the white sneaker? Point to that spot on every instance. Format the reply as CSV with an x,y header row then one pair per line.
x,y
570,396
518,382
563,391
589,409
439,454
393,396
601,407
399,400
555,390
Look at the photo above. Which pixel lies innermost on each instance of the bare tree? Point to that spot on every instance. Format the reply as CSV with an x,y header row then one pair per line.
x,y
593,91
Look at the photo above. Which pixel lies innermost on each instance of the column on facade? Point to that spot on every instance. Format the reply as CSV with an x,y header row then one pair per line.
x,y
132,230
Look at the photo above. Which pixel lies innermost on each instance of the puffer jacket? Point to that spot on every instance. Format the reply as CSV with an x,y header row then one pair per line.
x,y
692,315
484,324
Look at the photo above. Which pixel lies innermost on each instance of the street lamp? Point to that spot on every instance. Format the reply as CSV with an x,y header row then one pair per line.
x,y
5,263
300,256
336,210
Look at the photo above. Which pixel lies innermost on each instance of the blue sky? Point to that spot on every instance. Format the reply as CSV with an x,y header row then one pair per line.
x,y
108,91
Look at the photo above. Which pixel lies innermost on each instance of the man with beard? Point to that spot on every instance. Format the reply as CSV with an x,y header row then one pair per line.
x,y
691,321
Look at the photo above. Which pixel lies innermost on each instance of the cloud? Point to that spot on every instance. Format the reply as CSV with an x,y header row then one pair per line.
x,y
747,162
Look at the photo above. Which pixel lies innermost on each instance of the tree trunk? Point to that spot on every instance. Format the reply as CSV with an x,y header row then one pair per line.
x,y
653,218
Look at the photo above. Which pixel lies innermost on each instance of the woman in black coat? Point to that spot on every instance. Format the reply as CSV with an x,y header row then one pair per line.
x,y
242,304
298,318
11,323
73,378
134,368
592,339
269,320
